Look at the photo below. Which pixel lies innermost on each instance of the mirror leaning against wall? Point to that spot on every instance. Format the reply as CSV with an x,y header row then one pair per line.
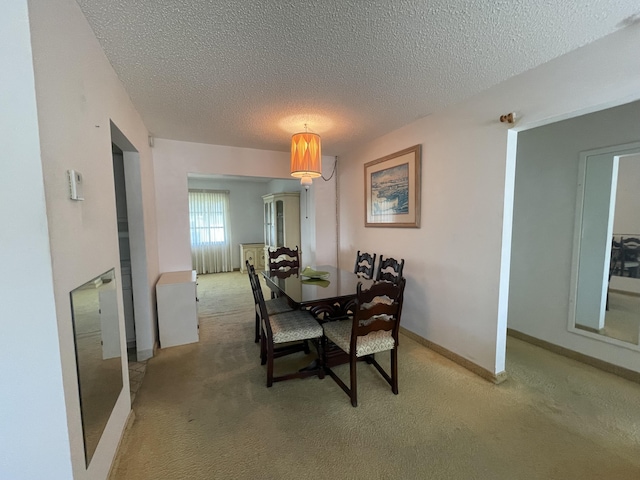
x,y
606,280
94,308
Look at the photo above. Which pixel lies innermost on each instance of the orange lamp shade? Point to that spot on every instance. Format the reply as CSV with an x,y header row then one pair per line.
x,y
305,155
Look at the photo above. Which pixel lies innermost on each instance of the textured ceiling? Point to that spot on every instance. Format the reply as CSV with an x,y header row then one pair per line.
x,y
251,73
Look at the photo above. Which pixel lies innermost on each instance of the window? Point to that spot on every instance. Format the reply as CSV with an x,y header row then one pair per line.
x,y
207,212
209,226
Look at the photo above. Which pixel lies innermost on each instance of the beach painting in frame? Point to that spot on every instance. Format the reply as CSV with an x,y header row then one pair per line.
x,y
392,190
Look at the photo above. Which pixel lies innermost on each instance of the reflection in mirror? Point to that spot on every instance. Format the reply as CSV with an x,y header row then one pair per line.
x,y
94,309
608,292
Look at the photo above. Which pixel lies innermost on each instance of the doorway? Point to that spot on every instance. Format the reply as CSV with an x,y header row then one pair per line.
x,y
125,250
143,329
545,212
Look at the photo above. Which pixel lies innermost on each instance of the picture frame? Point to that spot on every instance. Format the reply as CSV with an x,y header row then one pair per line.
x,y
392,190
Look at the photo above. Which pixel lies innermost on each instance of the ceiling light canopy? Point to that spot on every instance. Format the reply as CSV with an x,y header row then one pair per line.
x,y
306,157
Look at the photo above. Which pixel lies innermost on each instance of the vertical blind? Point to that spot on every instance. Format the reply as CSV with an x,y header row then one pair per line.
x,y
210,231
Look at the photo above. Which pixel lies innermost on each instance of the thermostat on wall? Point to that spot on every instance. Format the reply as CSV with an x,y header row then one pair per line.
x,y
75,185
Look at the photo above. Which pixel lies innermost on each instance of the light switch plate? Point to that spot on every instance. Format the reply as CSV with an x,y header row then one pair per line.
x,y
75,185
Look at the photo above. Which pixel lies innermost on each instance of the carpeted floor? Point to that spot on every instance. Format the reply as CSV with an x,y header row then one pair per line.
x,y
204,412
622,320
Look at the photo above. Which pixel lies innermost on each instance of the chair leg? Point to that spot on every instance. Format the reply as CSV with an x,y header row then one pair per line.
x,y
269,364
263,349
320,350
394,370
257,328
354,380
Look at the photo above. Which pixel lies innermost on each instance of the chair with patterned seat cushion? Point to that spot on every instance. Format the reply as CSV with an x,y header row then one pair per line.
x,y
389,269
373,329
274,306
365,265
291,331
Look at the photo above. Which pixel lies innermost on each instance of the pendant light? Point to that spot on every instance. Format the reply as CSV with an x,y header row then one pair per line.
x,y
306,157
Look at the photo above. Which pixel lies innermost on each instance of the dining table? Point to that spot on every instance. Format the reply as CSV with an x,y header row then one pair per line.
x,y
328,296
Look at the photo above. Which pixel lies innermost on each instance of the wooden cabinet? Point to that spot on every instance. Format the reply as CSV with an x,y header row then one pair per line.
x,y
281,221
176,295
254,252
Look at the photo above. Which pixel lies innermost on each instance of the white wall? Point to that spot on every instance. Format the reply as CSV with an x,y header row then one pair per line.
x,y
452,262
78,94
544,220
34,442
457,263
174,160
322,201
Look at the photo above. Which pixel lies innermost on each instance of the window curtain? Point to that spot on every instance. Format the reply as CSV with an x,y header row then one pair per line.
x,y
210,231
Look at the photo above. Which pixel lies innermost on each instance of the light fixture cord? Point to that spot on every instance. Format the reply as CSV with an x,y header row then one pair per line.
x,y
332,172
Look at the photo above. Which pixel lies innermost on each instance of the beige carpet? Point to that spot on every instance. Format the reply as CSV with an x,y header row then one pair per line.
x,y
204,412
622,320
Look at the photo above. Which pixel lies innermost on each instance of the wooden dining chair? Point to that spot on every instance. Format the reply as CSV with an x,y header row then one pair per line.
x,y
389,269
274,306
286,333
615,265
284,258
365,265
630,248
373,329
364,268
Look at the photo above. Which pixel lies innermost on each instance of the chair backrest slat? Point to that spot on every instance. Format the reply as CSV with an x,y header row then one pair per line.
x,y
378,309
375,326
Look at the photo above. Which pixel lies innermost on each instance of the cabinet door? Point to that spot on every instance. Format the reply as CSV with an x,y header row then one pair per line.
x,y
279,223
268,223
260,265
250,255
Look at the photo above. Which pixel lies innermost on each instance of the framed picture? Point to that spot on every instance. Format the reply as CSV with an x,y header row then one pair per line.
x,y
392,190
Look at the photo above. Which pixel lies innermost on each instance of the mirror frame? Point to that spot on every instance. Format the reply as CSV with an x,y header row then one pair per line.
x,y
103,416
614,152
